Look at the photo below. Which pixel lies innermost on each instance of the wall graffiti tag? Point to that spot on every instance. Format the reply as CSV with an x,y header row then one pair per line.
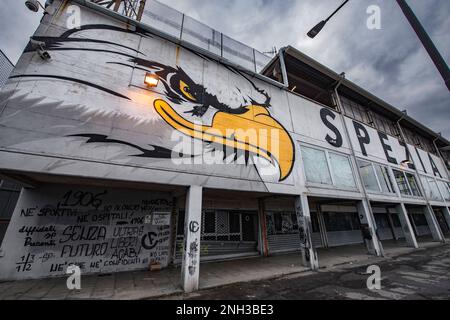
x,y
96,230
192,253
194,226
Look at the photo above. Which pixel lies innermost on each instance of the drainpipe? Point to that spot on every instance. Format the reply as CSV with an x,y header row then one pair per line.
x,y
355,165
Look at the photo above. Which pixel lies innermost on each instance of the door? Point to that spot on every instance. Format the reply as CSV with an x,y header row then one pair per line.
x,y
248,226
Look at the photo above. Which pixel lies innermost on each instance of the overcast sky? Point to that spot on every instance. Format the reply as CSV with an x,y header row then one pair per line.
x,y
390,62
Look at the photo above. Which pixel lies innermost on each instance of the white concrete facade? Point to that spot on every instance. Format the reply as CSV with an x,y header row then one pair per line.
x,y
96,119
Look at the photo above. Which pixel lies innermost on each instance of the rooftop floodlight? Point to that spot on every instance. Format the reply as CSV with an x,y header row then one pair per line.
x,y
151,80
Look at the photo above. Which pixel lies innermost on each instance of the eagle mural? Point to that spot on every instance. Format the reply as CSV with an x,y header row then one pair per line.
x,y
218,118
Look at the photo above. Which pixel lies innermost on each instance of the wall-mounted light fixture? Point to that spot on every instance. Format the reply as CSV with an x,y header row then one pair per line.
x,y
39,46
151,80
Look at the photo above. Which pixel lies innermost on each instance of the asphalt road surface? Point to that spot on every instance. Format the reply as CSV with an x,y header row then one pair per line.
x,y
422,274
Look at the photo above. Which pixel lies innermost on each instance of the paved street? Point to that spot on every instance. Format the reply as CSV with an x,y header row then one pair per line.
x,y
406,273
422,274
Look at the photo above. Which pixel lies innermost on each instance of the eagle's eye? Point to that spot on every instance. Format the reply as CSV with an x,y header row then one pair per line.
x,y
184,88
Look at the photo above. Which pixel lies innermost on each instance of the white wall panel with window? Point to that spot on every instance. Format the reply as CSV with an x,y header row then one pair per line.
x,y
444,186
407,183
431,188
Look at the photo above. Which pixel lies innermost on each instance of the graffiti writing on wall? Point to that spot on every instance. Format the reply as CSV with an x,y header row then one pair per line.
x,y
97,230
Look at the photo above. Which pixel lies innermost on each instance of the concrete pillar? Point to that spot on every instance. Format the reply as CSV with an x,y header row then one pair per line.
x,y
406,226
263,244
433,224
309,253
374,245
190,268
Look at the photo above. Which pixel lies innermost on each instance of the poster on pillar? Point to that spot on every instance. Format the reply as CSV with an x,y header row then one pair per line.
x,y
99,230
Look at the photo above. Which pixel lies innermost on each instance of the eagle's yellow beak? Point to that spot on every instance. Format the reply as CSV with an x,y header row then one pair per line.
x,y
254,131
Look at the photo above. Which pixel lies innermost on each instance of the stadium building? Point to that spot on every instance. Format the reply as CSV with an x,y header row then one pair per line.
x,y
142,137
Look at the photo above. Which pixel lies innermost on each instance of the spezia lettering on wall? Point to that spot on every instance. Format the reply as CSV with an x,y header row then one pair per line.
x,y
99,230
378,146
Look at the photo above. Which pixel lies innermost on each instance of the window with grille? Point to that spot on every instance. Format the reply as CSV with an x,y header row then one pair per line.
x,y
285,222
221,225
217,225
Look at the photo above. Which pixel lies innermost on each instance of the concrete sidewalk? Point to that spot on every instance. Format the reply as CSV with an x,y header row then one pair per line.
x,y
146,284
417,275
